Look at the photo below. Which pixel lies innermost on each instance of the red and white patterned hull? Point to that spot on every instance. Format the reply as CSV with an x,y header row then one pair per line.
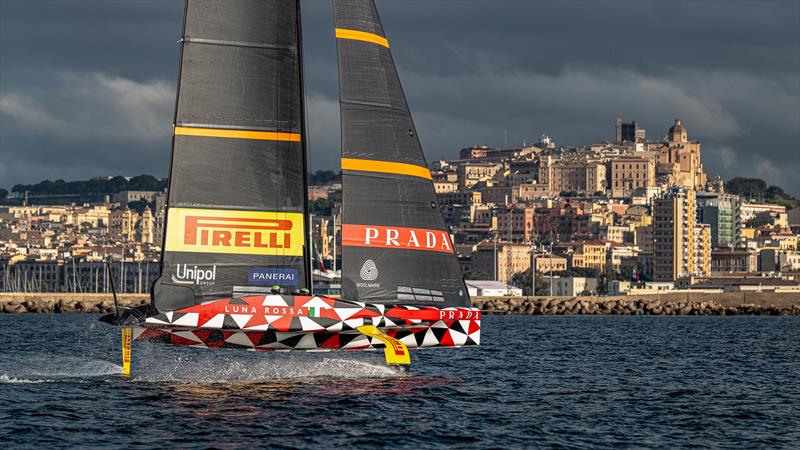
x,y
308,323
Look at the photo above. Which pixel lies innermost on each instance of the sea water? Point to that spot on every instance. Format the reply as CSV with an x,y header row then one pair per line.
x,y
654,382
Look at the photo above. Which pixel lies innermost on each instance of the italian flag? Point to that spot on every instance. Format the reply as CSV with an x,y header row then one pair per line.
x,y
316,259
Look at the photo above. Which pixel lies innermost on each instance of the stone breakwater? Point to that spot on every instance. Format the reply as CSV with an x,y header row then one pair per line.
x,y
726,304
67,303
532,306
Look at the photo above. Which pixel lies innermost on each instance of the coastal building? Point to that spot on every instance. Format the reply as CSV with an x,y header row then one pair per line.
x,y
740,260
125,197
501,260
627,174
514,223
589,255
628,132
721,213
122,224
582,177
643,237
145,228
546,263
486,288
702,250
617,287
679,159
673,235
471,173
572,286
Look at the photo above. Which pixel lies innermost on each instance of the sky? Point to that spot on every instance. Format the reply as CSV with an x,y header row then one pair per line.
x,y
87,87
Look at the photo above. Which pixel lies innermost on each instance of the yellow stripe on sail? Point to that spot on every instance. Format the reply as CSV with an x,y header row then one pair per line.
x,y
237,134
369,165
342,33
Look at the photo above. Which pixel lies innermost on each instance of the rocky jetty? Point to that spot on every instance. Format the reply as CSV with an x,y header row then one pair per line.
x,y
66,303
630,306
727,304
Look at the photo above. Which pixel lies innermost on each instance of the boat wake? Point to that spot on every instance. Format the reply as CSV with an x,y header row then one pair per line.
x,y
5,379
224,367
49,369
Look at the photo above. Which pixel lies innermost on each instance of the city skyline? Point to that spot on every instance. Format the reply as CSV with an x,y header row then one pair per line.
x,y
99,99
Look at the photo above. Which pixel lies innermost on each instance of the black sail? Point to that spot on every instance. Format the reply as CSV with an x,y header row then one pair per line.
x,y
395,246
237,197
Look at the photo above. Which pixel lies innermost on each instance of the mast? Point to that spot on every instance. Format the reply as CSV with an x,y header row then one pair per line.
x,y
395,246
236,204
303,124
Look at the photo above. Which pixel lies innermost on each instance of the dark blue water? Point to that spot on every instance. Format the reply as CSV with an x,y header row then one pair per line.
x,y
656,382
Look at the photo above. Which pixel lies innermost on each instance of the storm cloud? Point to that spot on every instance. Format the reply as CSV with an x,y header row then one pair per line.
x,y
87,87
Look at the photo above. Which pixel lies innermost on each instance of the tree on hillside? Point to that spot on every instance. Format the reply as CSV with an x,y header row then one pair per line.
x,y
140,205
747,187
322,177
476,275
3,194
95,186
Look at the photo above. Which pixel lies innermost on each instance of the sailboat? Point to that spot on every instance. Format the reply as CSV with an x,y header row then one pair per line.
x,y
236,269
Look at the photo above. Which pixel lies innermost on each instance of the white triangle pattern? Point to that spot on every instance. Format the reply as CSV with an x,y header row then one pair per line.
x,y
241,319
188,320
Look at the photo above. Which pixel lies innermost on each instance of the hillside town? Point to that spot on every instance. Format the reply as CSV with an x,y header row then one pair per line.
x,y
632,216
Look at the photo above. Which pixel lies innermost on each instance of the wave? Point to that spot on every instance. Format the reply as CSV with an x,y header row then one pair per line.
x,y
45,369
5,379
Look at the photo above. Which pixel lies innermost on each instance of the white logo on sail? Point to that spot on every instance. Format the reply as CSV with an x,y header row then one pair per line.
x,y
369,271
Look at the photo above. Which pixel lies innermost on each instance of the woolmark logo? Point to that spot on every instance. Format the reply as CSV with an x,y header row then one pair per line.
x,y
369,271
192,274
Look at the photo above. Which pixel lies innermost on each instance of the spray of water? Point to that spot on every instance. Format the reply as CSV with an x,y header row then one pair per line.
x,y
51,368
159,364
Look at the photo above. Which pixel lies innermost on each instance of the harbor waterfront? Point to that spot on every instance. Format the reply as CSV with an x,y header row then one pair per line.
x,y
676,304
535,382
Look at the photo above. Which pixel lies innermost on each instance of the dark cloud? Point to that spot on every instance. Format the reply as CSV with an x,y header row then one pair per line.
x,y
86,87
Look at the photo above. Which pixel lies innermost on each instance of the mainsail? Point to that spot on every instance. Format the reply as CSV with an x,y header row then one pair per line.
x,y
395,246
237,199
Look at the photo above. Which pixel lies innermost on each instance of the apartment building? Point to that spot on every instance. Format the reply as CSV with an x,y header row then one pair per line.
x,y
673,235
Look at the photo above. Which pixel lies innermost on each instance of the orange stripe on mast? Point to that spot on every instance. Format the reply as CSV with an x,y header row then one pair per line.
x,y
371,165
343,33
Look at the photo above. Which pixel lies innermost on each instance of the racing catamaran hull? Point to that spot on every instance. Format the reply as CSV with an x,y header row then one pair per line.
x,y
309,323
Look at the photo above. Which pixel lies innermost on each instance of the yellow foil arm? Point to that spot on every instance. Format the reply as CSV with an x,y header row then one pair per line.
x,y
395,351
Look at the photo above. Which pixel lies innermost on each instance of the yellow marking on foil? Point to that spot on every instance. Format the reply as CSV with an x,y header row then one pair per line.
x,y
395,351
342,33
126,351
370,165
237,134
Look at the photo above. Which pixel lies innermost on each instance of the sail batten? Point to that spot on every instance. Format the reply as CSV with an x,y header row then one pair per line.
x,y
343,33
237,200
237,133
394,240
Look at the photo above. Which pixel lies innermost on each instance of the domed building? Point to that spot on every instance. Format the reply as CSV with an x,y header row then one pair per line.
x,y
677,133
679,159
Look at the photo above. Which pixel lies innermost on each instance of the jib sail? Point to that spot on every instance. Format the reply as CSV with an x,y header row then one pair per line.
x,y
395,246
237,197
